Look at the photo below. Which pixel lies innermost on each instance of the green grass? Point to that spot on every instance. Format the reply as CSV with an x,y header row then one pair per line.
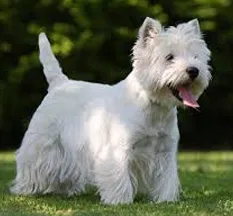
x,y
207,182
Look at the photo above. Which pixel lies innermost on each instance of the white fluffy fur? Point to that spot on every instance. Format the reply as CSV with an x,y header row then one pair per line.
x,y
121,138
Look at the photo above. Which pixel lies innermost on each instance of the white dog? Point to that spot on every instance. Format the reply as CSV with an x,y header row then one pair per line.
x,y
121,138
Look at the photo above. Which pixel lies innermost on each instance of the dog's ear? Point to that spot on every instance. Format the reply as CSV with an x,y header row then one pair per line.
x,y
195,26
149,29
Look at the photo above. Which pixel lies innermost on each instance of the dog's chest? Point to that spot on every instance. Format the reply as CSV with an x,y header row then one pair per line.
x,y
158,134
158,141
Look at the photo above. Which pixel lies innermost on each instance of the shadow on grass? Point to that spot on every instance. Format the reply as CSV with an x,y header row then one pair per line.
x,y
7,173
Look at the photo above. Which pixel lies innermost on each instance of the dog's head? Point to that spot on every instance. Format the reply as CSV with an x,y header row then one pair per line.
x,y
172,64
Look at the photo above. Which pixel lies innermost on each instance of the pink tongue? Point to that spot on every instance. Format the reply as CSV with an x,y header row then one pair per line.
x,y
188,98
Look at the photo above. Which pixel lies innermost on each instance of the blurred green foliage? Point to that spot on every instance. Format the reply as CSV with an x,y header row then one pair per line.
x,y
92,40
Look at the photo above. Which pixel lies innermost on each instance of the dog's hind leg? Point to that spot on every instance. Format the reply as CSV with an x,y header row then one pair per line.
x,y
35,165
44,166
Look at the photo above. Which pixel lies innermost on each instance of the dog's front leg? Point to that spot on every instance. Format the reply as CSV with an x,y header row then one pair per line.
x,y
165,182
113,179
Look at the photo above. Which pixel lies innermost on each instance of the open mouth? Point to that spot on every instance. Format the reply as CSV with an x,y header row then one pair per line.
x,y
185,95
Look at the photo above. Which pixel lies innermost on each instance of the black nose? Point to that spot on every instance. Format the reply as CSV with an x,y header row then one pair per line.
x,y
193,72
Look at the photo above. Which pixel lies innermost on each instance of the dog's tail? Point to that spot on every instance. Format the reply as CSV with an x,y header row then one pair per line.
x,y
52,69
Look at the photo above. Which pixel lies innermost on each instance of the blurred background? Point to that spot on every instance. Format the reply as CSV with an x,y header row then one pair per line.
x,y
92,40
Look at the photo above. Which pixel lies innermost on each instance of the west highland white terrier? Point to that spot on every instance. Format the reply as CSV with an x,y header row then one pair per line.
x,y
122,138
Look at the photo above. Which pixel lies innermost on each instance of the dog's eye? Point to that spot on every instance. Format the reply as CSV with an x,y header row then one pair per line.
x,y
169,57
195,56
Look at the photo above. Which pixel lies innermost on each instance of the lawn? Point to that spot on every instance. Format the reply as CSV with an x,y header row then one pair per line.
x,y
207,181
